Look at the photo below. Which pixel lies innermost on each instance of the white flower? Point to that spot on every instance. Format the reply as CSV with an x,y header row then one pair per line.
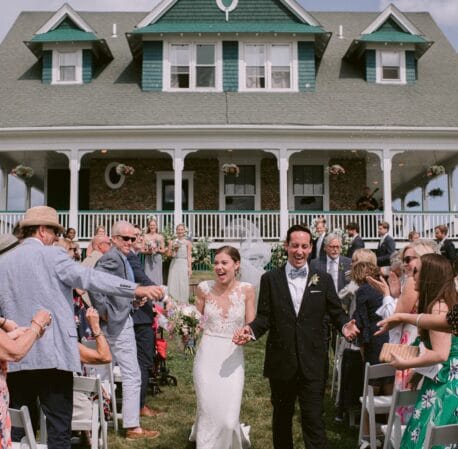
x,y
417,413
415,434
453,374
314,280
428,399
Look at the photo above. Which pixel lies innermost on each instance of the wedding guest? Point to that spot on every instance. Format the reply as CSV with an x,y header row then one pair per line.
x,y
219,365
67,242
356,241
154,249
180,270
413,235
15,343
318,251
386,245
99,230
446,246
367,201
437,399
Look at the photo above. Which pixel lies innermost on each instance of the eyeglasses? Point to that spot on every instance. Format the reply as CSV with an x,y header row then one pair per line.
x,y
334,246
126,238
408,259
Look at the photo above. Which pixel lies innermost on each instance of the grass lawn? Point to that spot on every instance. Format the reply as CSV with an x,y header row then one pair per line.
x,y
179,404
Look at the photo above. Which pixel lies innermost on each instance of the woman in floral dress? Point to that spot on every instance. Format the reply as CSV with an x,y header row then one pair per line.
x,y
437,401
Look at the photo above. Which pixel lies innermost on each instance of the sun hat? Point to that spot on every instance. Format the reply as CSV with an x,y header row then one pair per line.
x,y
41,215
7,241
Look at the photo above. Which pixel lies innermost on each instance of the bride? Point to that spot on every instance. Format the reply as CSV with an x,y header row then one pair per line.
x,y
227,304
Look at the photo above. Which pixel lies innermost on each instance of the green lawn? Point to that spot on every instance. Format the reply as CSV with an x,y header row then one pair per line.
x,y
179,404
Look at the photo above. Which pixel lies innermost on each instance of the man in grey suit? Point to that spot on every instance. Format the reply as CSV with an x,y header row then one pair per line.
x,y
119,327
386,245
36,275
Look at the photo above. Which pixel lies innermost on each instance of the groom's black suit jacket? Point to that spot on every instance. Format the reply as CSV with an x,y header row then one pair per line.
x,y
296,342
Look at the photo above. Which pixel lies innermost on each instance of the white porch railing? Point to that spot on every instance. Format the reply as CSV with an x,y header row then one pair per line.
x,y
424,223
232,225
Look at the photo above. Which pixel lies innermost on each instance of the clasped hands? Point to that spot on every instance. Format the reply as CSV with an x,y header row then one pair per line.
x,y
243,335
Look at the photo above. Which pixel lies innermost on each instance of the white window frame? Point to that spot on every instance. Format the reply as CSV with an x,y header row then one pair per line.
x,y
170,176
402,67
241,161
192,66
268,67
78,67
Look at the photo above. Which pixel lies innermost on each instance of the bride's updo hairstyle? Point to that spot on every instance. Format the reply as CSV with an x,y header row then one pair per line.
x,y
232,252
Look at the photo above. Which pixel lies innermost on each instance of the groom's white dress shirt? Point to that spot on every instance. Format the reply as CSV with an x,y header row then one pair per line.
x,y
296,286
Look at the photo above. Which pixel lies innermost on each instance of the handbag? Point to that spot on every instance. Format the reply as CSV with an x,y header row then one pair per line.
x,y
405,351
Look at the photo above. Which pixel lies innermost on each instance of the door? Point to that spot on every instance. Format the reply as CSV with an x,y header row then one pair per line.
x,y
168,194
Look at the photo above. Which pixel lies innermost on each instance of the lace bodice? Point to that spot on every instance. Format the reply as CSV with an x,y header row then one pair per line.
x,y
223,315
182,252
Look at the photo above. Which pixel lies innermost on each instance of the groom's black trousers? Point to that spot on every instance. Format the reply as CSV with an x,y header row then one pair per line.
x,y
283,397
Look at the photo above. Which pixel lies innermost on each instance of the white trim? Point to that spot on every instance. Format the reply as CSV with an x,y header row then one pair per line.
x,y
397,16
267,67
78,68
160,9
170,176
166,73
379,69
108,182
65,11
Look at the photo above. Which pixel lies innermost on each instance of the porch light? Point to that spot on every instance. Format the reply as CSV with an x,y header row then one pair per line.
x,y
104,151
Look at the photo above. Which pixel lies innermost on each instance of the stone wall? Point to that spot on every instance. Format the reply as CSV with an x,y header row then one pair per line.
x,y
344,190
206,182
270,185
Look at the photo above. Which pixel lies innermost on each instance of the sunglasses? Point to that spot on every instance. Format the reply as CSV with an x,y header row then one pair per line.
x,y
126,238
408,259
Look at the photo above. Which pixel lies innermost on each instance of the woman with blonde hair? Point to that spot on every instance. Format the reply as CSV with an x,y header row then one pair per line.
x,y
99,230
154,249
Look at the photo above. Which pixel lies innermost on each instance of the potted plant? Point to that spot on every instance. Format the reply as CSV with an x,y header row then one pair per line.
x,y
22,171
436,192
335,170
435,170
412,203
230,169
126,170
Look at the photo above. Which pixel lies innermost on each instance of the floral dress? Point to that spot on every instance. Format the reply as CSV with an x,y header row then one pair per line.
x,y
437,402
5,421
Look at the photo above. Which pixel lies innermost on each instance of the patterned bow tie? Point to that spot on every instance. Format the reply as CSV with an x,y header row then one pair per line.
x,y
298,272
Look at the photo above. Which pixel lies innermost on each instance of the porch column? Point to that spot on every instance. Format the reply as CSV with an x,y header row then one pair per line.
x,y
387,200
283,165
178,165
74,166
28,194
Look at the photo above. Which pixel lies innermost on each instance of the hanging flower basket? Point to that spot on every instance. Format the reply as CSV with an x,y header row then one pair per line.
x,y
22,171
335,170
413,204
126,170
436,192
230,169
435,170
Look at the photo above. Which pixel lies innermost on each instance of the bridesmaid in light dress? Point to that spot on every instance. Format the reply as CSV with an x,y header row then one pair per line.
x,y
154,249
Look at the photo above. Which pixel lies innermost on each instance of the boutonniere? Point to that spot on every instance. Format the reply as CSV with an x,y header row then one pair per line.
x,y
341,267
314,280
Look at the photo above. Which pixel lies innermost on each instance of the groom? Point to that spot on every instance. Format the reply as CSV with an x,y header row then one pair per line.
x,y
293,301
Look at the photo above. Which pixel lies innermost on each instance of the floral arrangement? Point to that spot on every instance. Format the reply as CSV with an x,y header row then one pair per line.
x,y
279,255
413,204
314,280
22,171
435,170
186,321
436,192
335,169
201,252
230,169
126,170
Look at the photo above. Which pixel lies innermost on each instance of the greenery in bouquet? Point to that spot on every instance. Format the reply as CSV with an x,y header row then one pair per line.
x,y
201,252
185,321
279,255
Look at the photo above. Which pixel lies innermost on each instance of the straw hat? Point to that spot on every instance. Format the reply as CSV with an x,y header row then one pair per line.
x,y
7,241
41,215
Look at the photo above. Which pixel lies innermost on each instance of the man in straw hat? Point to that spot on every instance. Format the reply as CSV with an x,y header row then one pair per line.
x,y
37,275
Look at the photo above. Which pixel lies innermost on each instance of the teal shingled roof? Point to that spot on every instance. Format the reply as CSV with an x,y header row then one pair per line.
x,y
65,35
229,27
392,36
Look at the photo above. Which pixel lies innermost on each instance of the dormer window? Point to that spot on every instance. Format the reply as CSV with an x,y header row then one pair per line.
x,y
267,66
67,67
194,66
391,67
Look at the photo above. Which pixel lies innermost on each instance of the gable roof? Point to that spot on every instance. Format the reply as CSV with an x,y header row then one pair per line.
x,y
391,26
114,97
66,25
249,16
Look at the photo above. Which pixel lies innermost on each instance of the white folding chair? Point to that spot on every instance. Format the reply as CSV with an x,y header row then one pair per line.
x,y
393,430
372,404
21,418
439,435
105,372
95,422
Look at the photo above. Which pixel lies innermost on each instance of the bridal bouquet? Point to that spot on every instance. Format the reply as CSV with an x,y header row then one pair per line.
x,y
185,320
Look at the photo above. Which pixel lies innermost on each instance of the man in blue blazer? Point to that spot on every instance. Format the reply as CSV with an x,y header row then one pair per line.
x,y
386,246
37,275
293,301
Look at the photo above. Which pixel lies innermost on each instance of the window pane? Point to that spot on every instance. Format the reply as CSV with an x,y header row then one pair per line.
x,y
390,73
240,203
255,71
280,55
254,55
390,58
308,203
67,73
281,59
179,55
205,76
205,54
308,180
281,78
67,66
179,70
244,184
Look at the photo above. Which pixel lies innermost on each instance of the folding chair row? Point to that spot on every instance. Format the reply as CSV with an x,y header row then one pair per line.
x,y
21,418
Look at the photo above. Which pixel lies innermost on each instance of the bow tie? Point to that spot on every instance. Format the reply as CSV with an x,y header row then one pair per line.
x,y
298,272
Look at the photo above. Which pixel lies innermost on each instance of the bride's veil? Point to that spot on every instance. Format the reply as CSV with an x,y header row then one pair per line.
x,y
255,254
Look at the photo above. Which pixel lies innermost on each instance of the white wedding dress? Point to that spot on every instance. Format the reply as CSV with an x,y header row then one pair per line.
x,y
219,373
